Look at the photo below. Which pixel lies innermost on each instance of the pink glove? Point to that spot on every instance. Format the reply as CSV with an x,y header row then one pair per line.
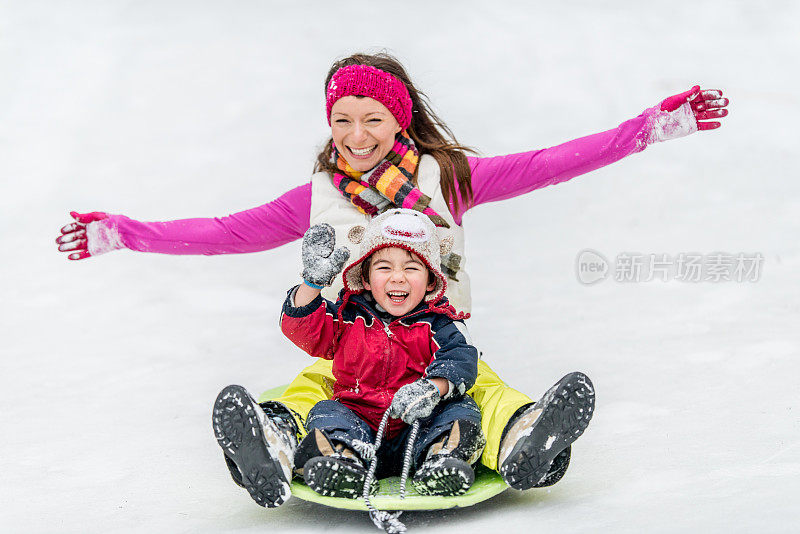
x,y
74,235
705,105
681,115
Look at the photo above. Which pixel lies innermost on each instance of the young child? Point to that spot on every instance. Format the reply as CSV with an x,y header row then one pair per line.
x,y
396,345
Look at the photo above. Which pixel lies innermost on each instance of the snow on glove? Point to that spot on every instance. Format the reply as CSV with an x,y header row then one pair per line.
x,y
88,236
321,263
415,401
688,112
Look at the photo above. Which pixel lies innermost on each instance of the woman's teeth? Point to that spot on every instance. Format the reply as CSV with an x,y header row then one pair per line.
x,y
362,151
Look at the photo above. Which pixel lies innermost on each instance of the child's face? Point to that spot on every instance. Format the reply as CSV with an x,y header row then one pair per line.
x,y
398,280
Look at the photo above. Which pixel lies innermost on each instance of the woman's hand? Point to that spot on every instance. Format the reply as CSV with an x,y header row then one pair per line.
x,y
73,236
705,104
685,113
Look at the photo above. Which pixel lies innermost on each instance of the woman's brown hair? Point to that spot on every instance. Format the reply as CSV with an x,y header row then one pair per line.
x,y
429,132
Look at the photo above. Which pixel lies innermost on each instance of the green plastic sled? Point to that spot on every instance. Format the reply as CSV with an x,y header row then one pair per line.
x,y
487,484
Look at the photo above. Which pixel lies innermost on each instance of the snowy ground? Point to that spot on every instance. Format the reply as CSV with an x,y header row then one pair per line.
x,y
163,110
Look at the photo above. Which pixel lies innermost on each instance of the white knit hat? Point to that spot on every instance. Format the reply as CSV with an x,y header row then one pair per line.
x,y
406,229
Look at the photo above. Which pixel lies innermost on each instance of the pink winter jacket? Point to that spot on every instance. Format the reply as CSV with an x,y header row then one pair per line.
x,y
286,218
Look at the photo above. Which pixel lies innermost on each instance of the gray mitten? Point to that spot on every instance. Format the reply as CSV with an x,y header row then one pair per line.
x,y
415,401
321,263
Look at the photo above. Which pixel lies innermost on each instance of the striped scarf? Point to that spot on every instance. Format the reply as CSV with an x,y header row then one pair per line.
x,y
386,186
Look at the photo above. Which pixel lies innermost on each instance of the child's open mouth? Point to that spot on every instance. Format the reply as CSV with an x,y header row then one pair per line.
x,y
397,297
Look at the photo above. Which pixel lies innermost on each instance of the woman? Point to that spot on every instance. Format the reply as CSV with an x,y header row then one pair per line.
x,y
388,149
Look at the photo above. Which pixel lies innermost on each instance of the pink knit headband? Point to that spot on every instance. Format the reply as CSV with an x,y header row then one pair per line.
x,y
363,80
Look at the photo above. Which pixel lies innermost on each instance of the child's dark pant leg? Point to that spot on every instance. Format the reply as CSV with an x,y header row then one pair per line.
x,y
454,428
333,454
339,423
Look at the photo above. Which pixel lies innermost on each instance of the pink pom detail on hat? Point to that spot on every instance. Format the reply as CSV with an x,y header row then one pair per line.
x,y
363,80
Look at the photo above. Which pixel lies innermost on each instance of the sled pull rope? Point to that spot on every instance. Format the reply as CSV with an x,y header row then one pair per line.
x,y
384,520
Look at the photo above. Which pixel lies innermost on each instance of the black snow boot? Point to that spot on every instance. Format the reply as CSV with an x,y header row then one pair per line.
x,y
258,448
443,475
536,447
447,469
331,468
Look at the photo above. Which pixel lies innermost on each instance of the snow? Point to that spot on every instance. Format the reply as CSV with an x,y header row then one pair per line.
x,y
102,238
669,125
169,110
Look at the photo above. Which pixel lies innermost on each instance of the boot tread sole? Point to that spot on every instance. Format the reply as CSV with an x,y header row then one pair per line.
x,y
239,433
567,410
333,477
453,477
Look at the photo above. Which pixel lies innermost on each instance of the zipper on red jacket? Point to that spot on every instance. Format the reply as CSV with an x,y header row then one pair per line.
x,y
375,318
386,329
389,334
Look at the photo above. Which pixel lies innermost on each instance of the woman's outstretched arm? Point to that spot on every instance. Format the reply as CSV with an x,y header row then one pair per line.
x,y
271,225
502,177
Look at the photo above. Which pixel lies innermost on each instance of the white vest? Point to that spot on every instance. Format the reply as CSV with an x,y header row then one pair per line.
x,y
328,205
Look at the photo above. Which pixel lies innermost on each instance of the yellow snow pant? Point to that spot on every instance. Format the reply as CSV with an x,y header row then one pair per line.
x,y
497,401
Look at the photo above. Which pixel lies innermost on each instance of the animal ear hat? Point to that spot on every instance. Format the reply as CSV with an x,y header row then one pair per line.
x,y
406,229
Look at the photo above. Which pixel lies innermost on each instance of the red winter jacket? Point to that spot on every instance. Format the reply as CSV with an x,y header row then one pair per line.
x,y
372,360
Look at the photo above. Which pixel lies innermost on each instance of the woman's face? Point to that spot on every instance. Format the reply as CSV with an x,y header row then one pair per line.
x,y
363,131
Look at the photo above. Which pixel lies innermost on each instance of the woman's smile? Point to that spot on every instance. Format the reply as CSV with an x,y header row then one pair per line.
x,y
362,152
